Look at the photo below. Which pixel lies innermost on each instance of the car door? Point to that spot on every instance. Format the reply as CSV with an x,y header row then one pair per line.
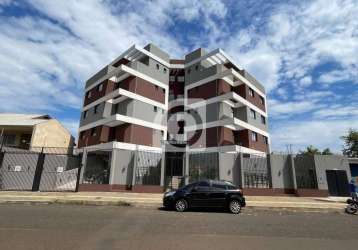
x,y
217,196
199,196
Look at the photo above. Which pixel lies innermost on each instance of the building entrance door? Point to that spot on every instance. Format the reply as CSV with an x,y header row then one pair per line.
x,y
337,181
174,164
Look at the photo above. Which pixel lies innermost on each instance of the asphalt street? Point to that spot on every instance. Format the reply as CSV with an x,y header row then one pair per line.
x,y
99,227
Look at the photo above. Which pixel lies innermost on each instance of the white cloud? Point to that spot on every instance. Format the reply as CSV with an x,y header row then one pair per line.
x,y
300,134
278,109
305,81
336,76
338,112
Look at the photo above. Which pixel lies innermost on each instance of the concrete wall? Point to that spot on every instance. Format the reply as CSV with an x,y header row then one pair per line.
x,y
329,162
228,167
243,113
51,134
122,167
91,116
150,69
157,51
98,75
281,171
202,73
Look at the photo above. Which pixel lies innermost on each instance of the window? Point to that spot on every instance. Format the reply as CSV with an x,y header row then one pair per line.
x,y
263,119
231,187
196,89
9,140
172,78
163,90
196,67
253,136
189,70
100,87
84,114
93,132
252,113
251,92
89,94
155,109
202,186
95,110
115,108
164,70
157,66
181,79
262,100
218,187
156,87
266,140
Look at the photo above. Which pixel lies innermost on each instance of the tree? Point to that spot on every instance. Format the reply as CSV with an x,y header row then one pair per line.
x,y
310,150
327,151
350,148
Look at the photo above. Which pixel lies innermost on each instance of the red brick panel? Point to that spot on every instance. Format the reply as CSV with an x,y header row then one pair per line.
x,y
211,137
243,91
108,86
211,89
204,91
86,139
223,87
221,136
135,134
226,136
121,133
134,84
150,90
243,138
144,88
128,84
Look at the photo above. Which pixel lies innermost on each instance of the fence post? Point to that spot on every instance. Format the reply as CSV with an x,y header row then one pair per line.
x,y
2,156
293,171
135,167
78,177
269,170
38,171
242,170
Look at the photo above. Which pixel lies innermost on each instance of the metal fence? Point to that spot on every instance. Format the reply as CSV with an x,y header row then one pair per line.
x,y
305,172
203,166
38,169
256,172
148,168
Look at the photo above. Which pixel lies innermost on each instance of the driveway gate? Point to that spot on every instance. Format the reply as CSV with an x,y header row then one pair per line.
x,y
39,169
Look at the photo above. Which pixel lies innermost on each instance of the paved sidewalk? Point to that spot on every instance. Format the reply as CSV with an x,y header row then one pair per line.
x,y
145,199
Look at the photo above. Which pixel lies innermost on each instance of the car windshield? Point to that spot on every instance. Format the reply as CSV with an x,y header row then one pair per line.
x,y
189,186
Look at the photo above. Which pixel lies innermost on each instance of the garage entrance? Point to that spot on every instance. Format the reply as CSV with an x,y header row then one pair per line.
x,y
337,181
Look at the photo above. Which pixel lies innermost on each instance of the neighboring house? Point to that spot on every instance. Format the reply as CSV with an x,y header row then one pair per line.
x,y
28,131
144,101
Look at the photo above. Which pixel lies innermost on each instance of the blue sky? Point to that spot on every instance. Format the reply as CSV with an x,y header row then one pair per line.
x,y
304,52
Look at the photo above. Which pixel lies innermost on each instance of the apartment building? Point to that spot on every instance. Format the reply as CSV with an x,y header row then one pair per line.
x,y
146,116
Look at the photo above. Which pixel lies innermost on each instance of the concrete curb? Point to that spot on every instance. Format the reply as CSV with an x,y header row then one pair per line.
x,y
144,204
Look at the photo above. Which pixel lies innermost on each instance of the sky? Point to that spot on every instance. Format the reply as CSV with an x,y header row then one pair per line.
x,y
305,53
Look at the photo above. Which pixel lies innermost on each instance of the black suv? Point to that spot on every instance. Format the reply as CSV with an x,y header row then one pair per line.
x,y
205,194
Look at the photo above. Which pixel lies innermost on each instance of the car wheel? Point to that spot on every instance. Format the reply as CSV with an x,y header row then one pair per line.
x,y
235,206
181,205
